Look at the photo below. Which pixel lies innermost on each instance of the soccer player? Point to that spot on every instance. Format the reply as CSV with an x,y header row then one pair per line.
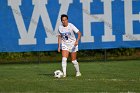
x,y
69,44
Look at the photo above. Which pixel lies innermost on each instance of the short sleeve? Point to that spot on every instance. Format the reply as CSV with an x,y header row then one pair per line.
x,y
74,28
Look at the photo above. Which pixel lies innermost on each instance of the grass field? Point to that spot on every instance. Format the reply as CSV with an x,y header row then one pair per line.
x,y
109,77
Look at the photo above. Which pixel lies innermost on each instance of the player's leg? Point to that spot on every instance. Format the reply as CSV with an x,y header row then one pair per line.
x,y
65,55
75,63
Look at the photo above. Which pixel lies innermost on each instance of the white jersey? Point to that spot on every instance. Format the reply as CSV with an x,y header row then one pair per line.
x,y
67,34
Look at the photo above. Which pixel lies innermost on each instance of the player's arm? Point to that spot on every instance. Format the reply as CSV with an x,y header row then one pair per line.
x,y
78,38
59,42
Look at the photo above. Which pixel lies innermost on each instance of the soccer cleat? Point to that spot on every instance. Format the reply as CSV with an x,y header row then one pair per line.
x,y
64,76
78,74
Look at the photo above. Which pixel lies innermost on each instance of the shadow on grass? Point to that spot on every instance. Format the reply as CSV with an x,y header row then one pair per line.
x,y
46,74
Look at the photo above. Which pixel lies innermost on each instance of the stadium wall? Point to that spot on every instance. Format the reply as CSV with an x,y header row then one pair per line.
x,y
31,25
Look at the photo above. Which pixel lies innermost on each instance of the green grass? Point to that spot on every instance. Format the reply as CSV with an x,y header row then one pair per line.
x,y
111,77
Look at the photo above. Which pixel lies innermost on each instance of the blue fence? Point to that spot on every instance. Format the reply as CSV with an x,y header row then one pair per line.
x,y
31,25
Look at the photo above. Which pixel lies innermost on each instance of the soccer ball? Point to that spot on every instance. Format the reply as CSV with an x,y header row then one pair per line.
x,y
58,73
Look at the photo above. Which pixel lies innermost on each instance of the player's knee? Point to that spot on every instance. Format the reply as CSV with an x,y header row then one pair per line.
x,y
74,62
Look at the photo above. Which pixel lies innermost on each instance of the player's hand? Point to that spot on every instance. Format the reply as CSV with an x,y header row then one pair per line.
x,y
58,49
76,43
